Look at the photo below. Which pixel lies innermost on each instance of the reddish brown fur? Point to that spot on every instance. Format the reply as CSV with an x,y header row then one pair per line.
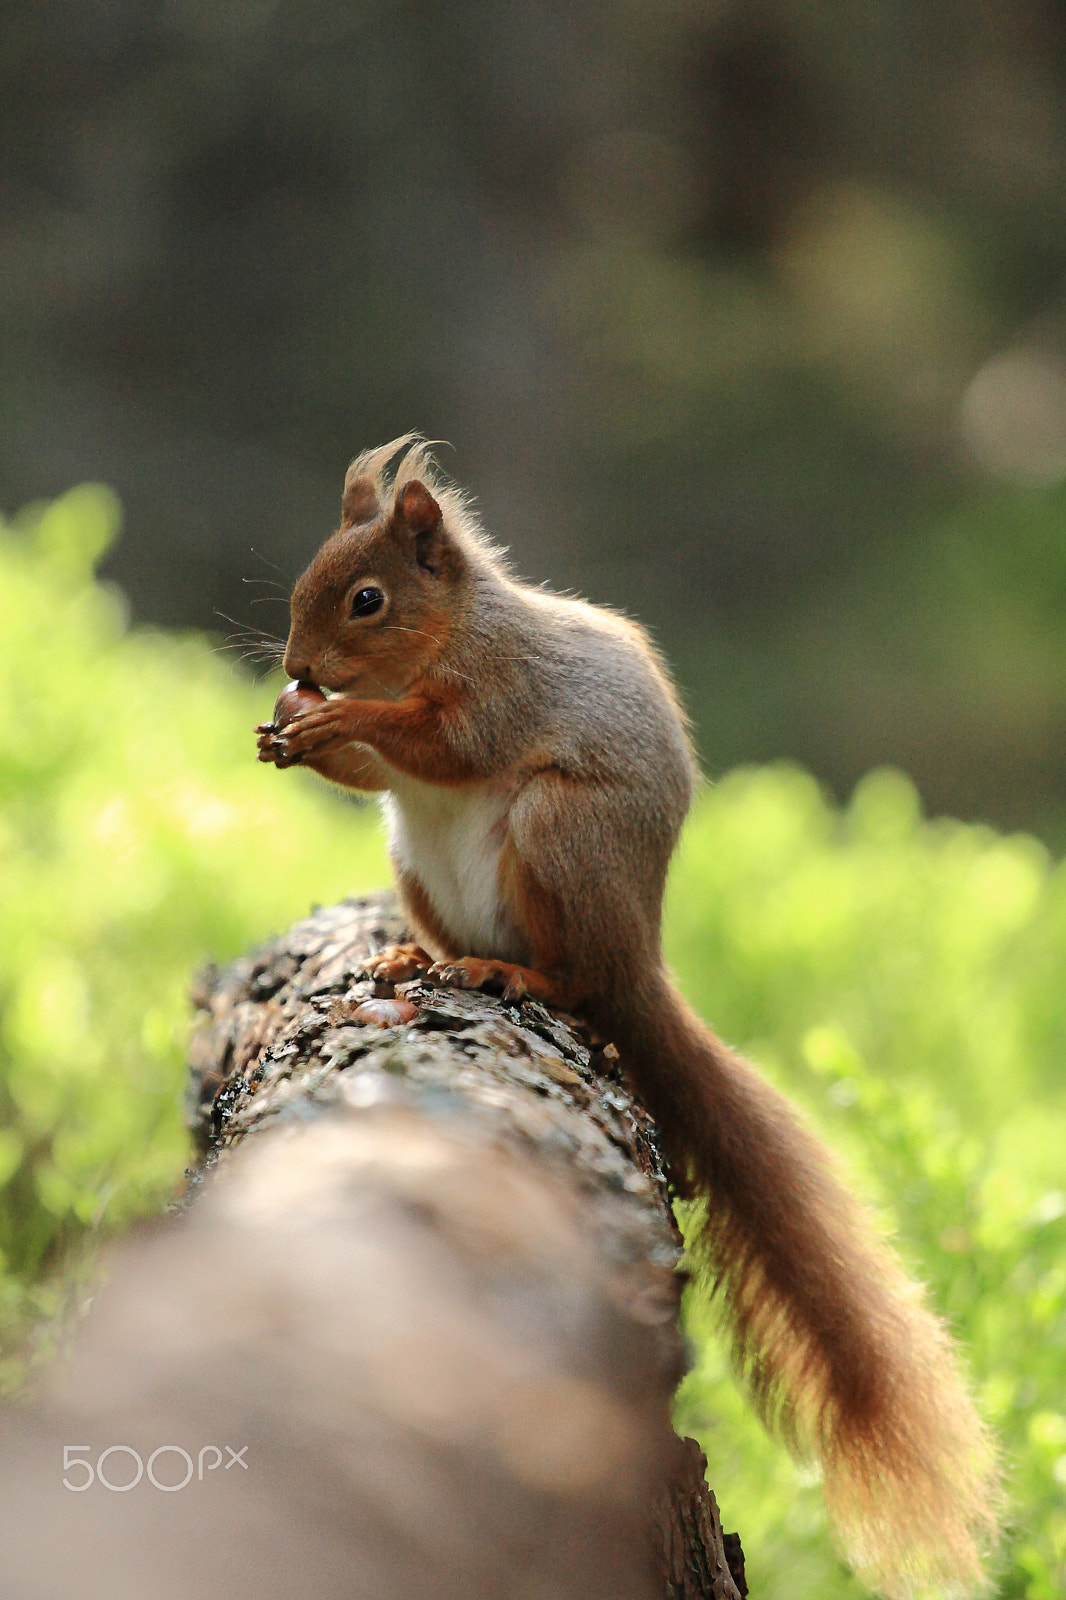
x,y
514,982
471,972
402,733
422,917
548,724
539,914
385,653
398,963
359,502
353,766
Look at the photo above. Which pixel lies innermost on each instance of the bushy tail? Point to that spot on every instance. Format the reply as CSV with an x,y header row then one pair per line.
x,y
840,1353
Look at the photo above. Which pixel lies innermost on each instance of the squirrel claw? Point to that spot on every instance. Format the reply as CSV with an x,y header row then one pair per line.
x,y
495,977
449,974
398,963
276,751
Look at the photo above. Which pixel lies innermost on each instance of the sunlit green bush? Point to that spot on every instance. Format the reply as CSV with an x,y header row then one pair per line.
x,y
900,979
138,835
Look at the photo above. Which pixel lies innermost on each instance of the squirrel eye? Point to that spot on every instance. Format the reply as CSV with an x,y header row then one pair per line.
x,y
366,601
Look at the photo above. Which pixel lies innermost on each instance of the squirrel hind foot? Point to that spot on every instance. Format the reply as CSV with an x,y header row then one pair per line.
x,y
496,977
399,963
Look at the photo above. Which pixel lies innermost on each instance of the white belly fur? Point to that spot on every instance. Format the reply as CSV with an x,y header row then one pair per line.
x,y
450,839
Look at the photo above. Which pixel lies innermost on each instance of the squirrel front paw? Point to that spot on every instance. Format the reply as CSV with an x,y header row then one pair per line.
x,y
294,701
271,747
319,731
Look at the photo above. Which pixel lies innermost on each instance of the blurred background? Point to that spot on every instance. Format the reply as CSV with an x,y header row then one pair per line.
x,y
749,318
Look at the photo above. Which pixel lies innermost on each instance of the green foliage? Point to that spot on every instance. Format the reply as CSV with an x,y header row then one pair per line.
x,y
899,979
138,836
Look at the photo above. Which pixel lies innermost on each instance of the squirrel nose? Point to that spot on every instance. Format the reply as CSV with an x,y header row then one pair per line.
x,y
297,667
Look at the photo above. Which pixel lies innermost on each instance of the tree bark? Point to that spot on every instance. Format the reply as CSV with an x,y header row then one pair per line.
x,y
284,1034
425,1283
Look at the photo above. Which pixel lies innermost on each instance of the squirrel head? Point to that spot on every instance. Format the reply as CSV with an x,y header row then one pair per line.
x,y
376,605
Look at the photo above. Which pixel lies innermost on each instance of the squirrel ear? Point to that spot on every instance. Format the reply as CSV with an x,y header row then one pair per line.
x,y
360,502
421,514
418,508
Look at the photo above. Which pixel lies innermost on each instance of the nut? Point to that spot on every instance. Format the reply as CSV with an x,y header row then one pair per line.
x,y
385,1013
294,700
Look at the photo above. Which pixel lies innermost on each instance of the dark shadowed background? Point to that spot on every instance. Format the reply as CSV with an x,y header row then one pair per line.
x,y
749,318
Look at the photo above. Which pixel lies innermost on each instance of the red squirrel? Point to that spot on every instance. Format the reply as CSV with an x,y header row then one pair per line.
x,y
535,770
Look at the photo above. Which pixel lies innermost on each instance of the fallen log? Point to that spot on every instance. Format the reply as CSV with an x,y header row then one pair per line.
x,y
428,1288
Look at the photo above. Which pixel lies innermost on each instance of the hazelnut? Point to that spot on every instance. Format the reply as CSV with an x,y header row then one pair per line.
x,y
294,700
385,1013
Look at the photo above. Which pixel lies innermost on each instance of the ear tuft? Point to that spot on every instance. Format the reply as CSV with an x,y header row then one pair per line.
x,y
418,508
359,502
